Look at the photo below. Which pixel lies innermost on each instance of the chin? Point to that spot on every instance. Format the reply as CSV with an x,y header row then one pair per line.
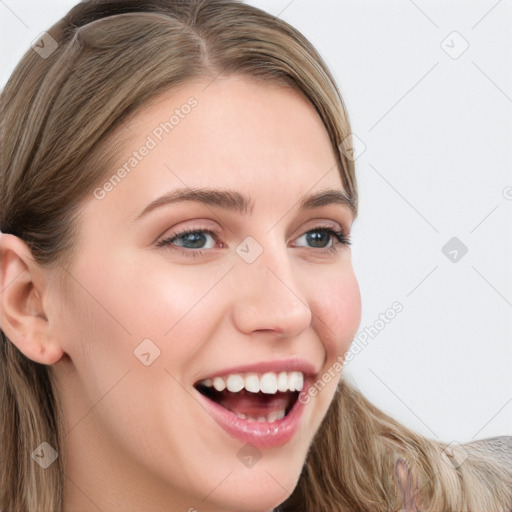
x,y
256,493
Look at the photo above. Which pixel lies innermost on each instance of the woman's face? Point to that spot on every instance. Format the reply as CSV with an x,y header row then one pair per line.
x,y
147,315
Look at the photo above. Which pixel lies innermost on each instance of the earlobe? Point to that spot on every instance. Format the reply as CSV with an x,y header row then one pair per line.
x,y
23,318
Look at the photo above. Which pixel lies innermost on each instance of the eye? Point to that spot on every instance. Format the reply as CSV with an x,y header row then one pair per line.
x,y
190,239
320,235
191,242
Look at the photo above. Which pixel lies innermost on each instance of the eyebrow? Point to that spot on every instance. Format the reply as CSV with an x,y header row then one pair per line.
x,y
240,203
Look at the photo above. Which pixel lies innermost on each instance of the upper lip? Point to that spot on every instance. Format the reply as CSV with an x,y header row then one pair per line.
x,y
293,364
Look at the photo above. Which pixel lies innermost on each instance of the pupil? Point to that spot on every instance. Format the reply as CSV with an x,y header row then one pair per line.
x,y
194,237
314,236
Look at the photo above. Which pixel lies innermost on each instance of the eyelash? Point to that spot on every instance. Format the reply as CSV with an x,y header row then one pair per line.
x,y
341,239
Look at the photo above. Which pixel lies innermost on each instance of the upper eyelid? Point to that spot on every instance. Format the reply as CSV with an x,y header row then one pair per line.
x,y
320,225
336,225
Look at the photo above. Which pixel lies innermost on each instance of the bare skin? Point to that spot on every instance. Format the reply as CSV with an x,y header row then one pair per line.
x,y
137,436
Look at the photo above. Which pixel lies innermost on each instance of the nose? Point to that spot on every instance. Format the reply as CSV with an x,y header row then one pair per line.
x,y
267,295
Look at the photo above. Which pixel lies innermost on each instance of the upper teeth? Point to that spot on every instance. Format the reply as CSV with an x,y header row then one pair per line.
x,y
269,382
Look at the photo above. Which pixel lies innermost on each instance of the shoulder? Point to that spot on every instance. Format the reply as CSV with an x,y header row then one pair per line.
x,y
499,448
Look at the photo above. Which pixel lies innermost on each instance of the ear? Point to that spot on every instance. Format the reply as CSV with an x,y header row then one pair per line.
x,y
23,313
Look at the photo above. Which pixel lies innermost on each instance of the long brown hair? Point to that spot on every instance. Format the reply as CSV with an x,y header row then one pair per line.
x,y
60,108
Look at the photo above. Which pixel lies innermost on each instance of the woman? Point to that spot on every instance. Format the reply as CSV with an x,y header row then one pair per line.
x,y
172,181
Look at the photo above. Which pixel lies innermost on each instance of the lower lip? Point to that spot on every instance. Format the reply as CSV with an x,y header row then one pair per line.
x,y
263,434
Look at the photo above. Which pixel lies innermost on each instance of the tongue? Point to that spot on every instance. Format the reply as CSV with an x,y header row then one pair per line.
x,y
255,404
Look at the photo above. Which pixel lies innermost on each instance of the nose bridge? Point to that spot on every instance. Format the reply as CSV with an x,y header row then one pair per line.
x,y
268,296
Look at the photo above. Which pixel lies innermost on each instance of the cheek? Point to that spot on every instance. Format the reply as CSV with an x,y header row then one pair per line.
x,y
129,300
139,295
337,312
175,306
337,316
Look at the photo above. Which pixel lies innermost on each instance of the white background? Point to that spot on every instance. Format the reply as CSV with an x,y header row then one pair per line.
x,y
436,165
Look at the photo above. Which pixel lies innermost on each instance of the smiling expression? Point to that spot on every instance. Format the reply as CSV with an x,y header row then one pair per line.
x,y
248,275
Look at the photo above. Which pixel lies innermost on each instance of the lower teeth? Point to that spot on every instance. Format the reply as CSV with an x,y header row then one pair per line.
x,y
274,416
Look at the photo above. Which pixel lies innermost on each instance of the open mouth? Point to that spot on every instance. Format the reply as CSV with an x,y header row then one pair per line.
x,y
263,398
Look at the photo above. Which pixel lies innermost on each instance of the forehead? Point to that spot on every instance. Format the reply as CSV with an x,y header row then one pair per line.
x,y
265,140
